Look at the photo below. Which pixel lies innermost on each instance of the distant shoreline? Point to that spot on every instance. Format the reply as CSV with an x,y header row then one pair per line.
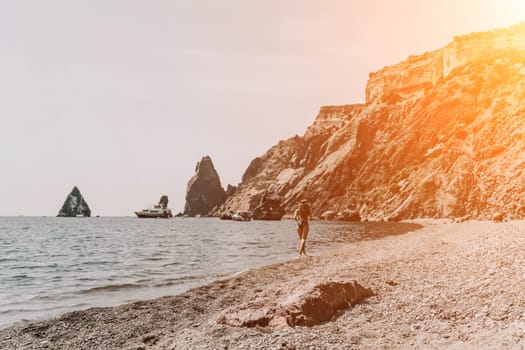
x,y
444,285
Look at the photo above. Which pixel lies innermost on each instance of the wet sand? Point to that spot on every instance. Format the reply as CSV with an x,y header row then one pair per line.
x,y
446,285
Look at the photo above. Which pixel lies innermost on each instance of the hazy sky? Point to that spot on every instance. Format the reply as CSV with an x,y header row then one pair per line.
x,y
122,98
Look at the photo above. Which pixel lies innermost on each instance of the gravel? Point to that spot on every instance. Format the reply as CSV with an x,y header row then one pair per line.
x,y
447,285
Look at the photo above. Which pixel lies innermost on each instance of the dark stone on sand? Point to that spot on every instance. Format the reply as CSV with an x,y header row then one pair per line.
x,y
319,304
302,307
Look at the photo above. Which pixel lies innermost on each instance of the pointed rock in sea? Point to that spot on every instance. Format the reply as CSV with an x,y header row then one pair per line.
x,y
75,205
204,190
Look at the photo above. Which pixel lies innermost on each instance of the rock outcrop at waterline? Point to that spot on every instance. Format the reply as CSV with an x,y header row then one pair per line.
x,y
440,135
75,205
163,201
268,208
303,306
204,190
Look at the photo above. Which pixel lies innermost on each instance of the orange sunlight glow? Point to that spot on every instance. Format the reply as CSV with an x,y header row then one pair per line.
x,y
510,9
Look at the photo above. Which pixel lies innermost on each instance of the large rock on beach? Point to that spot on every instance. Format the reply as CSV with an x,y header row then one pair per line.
x,y
439,135
300,307
75,205
319,304
204,190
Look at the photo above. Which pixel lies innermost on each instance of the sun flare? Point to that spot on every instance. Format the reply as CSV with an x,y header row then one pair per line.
x,y
512,11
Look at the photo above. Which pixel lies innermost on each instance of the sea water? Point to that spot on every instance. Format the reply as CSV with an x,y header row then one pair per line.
x,y
49,266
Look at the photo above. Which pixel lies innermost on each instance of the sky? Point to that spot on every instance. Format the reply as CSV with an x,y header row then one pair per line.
x,y
122,98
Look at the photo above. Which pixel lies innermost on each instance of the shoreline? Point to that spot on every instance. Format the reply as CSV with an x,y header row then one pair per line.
x,y
444,285
230,250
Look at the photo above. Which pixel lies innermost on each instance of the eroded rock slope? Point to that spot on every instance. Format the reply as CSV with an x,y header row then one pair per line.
x,y
440,135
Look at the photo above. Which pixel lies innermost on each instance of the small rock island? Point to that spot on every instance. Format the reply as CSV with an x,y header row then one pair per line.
x,y
204,190
75,205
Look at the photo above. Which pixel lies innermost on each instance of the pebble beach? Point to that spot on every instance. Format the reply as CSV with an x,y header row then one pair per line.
x,y
445,285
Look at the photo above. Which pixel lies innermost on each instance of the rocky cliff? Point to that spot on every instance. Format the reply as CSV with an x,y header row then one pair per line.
x,y
268,208
204,190
439,135
75,205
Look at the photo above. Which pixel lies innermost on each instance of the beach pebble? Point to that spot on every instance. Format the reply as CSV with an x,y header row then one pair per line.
x,y
469,295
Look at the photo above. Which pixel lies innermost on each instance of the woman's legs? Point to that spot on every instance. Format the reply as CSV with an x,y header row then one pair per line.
x,y
303,235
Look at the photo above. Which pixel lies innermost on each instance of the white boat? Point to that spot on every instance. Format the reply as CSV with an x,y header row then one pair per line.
x,y
160,210
156,212
242,215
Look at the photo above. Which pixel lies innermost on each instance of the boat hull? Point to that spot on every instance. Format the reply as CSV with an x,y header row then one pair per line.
x,y
241,219
153,216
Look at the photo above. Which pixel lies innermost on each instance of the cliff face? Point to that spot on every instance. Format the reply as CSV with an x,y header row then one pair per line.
x,y
440,135
204,190
75,205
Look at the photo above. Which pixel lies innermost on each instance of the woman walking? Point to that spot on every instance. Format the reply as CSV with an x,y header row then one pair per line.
x,y
302,214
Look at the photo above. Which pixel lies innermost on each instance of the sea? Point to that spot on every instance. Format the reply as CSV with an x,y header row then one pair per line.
x,y
49,266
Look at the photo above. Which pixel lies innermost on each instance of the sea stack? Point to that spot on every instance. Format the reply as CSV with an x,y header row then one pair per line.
x,y
75,205
204,189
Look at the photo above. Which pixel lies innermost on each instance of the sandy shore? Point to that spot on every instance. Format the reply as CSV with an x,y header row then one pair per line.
x,y
447,285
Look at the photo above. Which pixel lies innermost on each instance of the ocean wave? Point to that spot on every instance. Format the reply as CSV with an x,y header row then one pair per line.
x,y
8,259
144,283
21,277
27,310
99,262
111,288
48,297
152,258
177,281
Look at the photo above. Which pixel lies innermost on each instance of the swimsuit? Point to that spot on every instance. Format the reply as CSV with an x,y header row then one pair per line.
x,y
301,224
